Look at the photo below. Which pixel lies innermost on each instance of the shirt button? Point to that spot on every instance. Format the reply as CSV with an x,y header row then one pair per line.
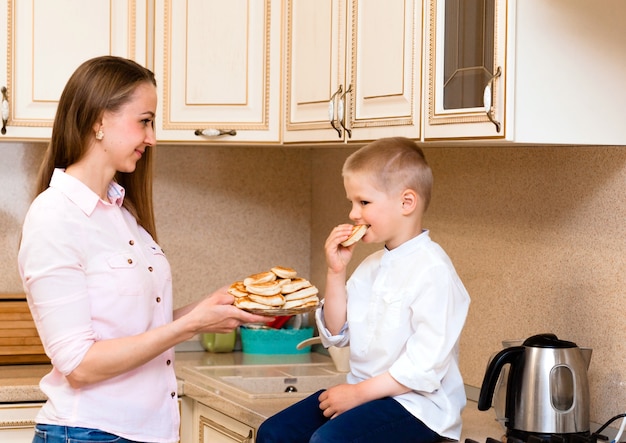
x,y
150,268
158,299
130,261
173,394
169,362
131,242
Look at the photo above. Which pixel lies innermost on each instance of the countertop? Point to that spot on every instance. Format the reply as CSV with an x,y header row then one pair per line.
x,y
19,384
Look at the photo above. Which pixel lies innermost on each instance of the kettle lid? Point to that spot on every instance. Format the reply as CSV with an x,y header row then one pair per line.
x,y
548,340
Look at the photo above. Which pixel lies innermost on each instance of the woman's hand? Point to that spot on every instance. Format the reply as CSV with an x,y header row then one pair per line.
x,y
216,313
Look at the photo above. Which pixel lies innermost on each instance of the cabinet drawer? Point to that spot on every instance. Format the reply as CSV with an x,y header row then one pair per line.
x,y
215,427
17,422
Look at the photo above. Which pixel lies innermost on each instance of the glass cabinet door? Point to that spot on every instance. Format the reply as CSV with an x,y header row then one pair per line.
x,y
468,52
465,78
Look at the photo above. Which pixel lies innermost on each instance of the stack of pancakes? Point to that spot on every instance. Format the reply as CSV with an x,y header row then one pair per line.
x,y
278,288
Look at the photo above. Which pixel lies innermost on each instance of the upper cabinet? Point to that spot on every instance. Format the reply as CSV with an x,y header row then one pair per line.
x,y
526,71
41,45
352,69
217,64
334,71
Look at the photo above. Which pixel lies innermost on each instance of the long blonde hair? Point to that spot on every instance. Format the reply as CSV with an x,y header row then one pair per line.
x,y
100,84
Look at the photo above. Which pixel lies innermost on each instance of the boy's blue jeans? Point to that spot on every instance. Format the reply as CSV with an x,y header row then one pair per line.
x,y
383,420
65,434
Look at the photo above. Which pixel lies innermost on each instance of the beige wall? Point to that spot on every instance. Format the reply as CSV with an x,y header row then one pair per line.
x,y
537,234
222,213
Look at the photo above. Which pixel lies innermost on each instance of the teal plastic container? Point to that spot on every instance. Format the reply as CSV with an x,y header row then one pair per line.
x,y
274,341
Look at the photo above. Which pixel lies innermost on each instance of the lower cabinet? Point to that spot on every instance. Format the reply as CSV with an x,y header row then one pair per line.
x,y
212,426
17,422
199,424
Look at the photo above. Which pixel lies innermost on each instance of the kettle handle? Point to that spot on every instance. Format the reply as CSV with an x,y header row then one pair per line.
x,y
508,355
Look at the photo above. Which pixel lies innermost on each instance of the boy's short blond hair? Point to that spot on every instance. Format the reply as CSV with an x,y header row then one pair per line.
x,y
395,164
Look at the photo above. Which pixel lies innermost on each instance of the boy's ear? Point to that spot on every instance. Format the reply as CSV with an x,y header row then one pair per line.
x,y
410,200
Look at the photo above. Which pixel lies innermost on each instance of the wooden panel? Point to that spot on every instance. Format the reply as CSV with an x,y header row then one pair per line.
x,y
12,297
19,340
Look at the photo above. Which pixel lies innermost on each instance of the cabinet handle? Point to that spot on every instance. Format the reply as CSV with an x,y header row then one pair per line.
x,y
488,98
332,116
5,110
341,112
214,132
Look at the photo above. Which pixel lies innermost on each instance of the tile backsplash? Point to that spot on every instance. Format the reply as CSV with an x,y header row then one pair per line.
x,y
536,233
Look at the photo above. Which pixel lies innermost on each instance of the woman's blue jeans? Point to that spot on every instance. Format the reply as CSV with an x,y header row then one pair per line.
x,y
66,434
378,421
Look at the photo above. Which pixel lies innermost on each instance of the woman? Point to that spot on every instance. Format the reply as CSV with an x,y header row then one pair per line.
x,y
97,283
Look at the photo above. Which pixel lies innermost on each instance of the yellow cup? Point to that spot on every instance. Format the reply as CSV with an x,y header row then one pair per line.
x,y
216,342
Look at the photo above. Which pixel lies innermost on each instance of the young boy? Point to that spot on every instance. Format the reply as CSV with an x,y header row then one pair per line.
x,y
401,312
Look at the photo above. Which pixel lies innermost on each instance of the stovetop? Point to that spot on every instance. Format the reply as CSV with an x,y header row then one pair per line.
x,y
544,438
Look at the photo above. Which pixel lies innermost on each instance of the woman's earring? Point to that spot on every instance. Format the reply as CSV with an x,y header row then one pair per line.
x,y
99,134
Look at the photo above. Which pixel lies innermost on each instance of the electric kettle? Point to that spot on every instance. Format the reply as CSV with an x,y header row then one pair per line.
x,y
547,391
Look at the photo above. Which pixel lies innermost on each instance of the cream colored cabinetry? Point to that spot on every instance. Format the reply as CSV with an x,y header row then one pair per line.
x,y
527,71
212,426
217,64
42,43
353,69
186,419
17,422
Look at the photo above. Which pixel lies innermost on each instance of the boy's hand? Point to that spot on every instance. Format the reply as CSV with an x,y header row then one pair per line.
x,y
338,399
337,256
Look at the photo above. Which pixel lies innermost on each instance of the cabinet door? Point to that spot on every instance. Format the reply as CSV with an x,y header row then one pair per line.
x,y
186,419
217,64
17,422
315,68
38,55
384,69
214,427
466,69
361,71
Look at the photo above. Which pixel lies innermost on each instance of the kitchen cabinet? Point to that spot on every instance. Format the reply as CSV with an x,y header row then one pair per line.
x,y
38,55
352,69
217,64
17,422
530,71
186,419
212,426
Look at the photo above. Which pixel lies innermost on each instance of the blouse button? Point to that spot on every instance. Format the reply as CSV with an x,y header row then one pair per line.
x,y
158,299
150,268
169,362
131,242
173,394
130,261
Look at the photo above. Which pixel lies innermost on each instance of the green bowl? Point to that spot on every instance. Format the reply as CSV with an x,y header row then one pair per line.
x,y
216,342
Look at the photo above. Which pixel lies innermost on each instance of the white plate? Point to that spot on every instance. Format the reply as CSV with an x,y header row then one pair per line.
x,y
274,312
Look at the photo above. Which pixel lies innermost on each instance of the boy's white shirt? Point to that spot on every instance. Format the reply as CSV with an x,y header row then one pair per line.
x,y
406,310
